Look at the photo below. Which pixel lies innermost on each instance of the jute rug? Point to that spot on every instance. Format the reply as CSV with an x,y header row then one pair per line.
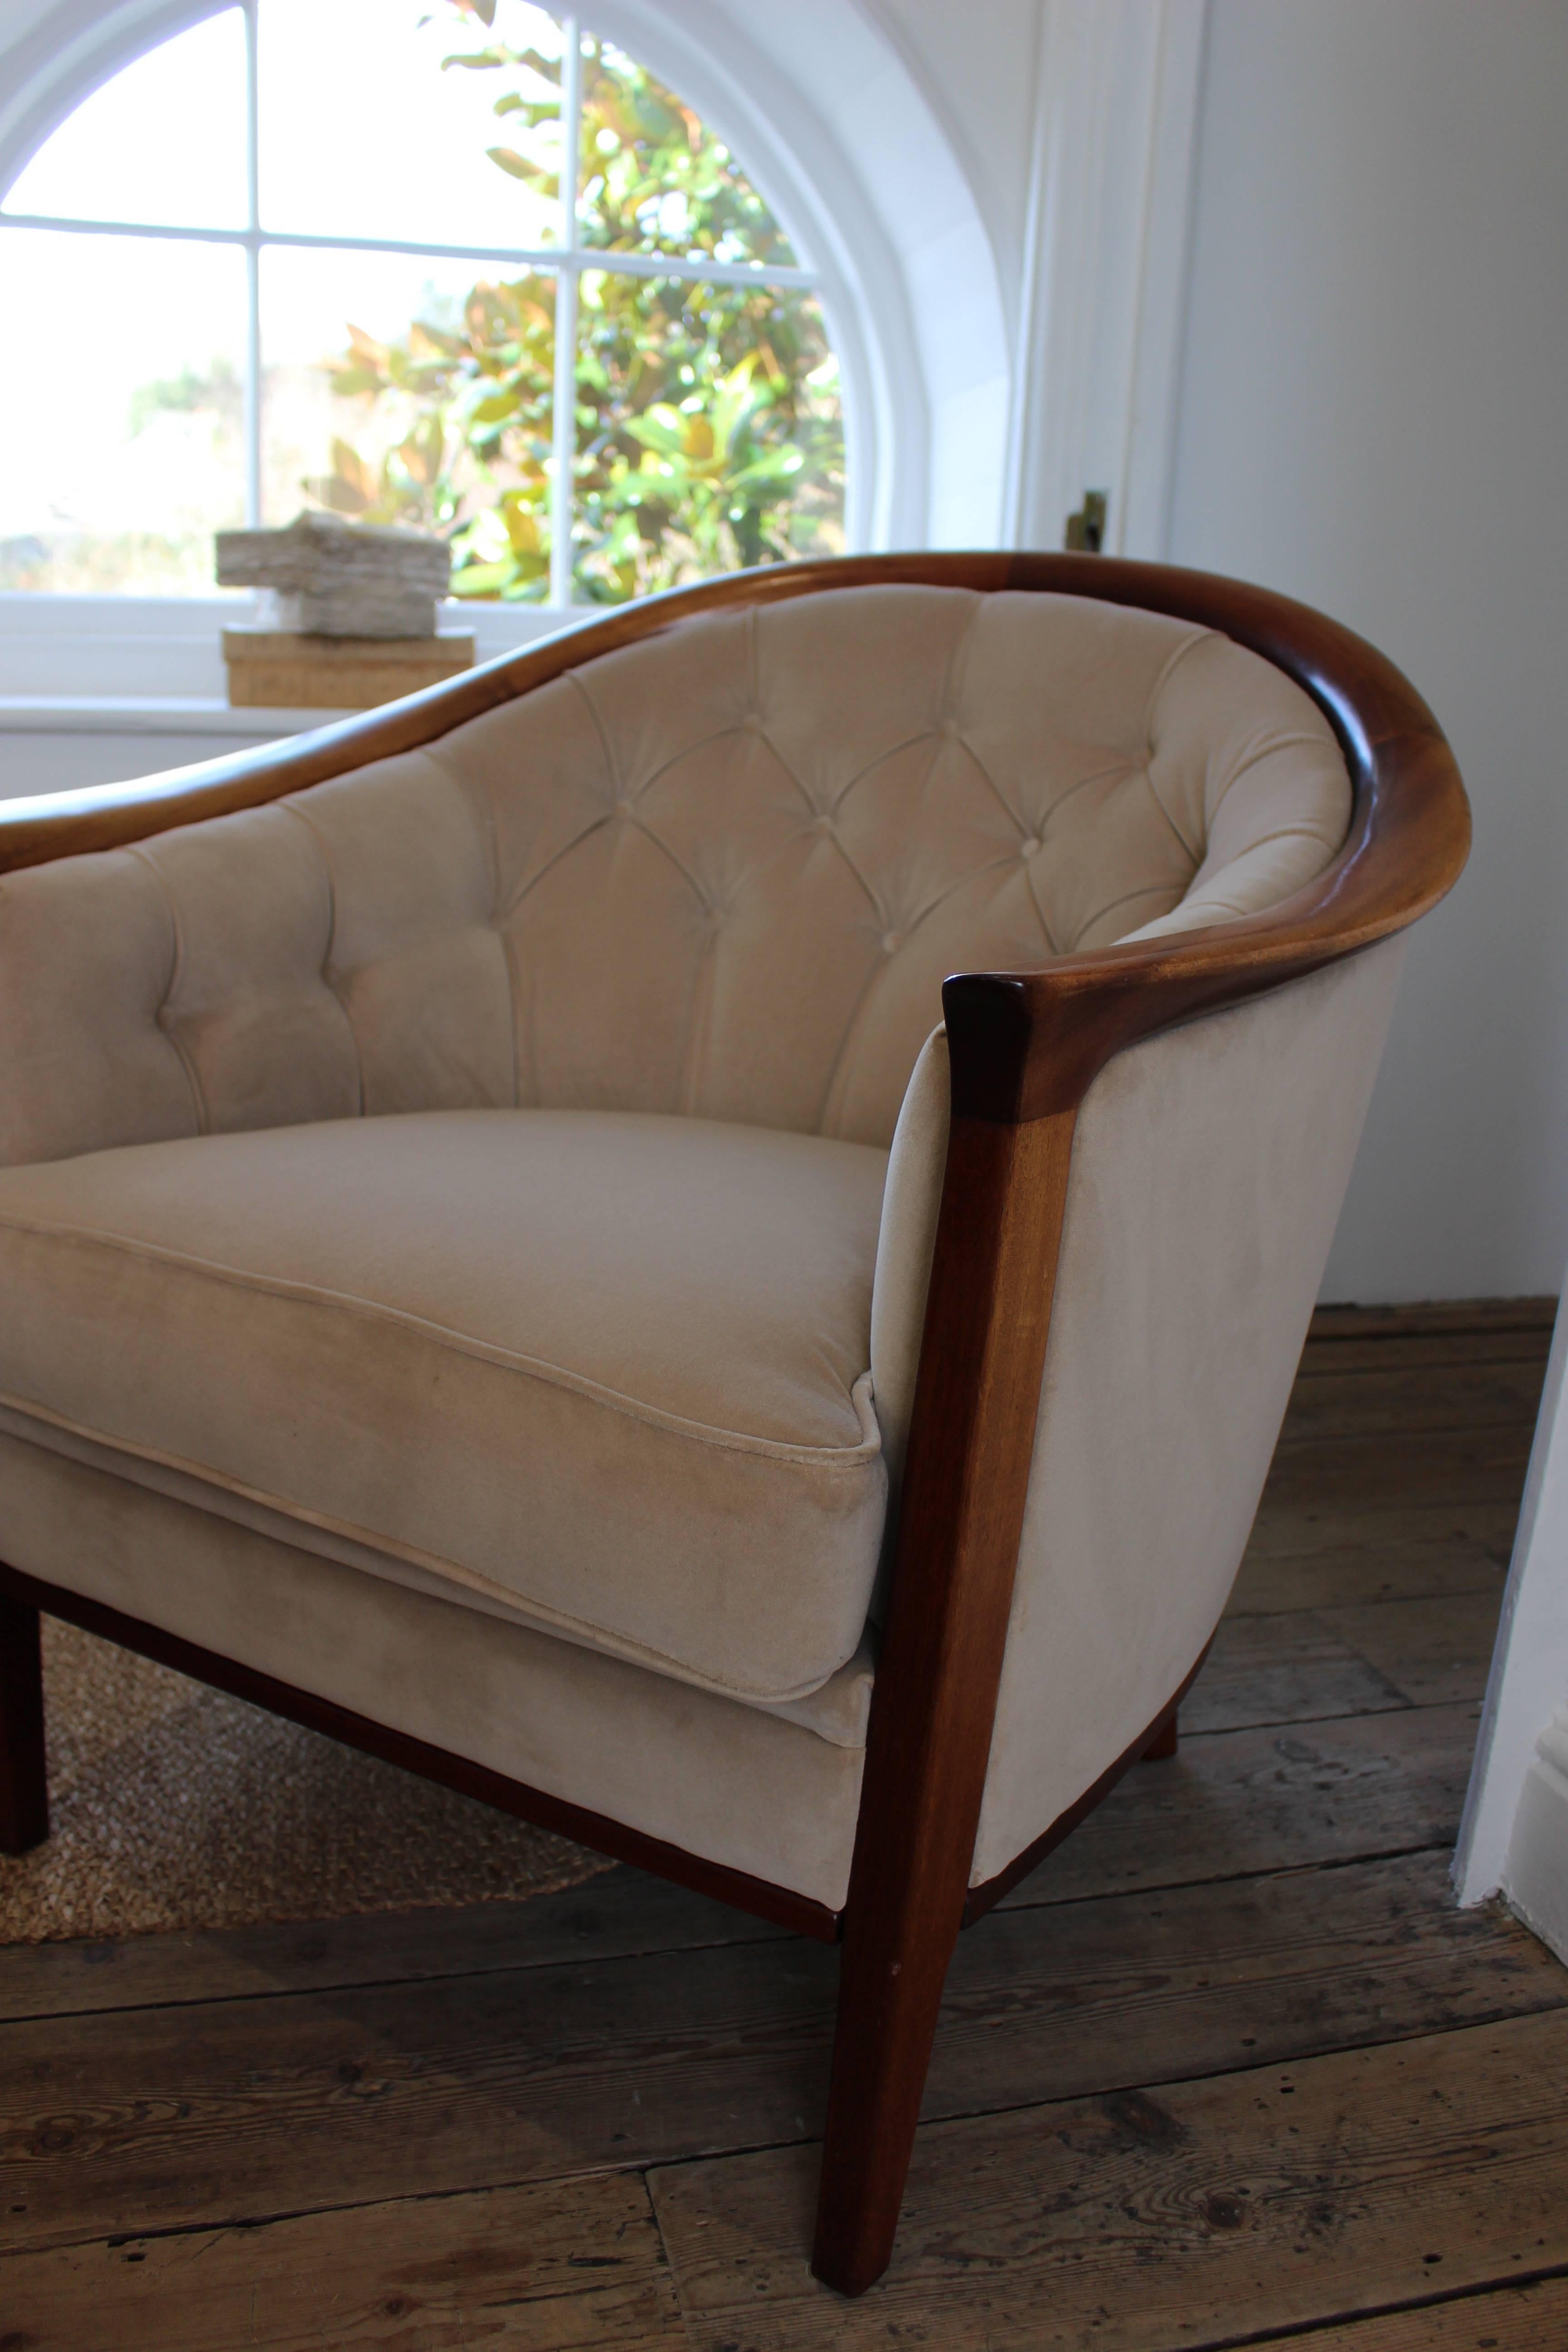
x,y
175,1806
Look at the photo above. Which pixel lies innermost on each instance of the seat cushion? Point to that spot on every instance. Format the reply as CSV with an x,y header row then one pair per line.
x,y
743,1785
609,1367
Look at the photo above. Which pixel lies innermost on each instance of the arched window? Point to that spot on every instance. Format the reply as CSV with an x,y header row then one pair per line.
x,y
463,263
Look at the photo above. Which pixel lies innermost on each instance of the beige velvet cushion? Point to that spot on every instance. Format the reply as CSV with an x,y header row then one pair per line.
x,y
734,1782
722,871
612,1370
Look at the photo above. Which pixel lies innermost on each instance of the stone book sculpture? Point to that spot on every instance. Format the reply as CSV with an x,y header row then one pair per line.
x,y
331,578
349,617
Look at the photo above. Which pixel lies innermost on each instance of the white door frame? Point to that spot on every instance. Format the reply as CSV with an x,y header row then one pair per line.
x,y
1516,1814
1105,275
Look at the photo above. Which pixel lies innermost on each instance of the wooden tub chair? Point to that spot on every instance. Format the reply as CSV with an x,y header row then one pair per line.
x,y
703,1232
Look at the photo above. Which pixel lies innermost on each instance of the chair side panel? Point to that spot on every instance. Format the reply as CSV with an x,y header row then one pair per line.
x,y
1209,1167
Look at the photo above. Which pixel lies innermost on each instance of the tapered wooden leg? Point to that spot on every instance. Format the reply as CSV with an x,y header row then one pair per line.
x,y
24,1777
1165,1740
890,1991
935,1700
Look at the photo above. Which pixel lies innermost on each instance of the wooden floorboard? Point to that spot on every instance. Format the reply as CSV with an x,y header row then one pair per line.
x,y
1139,2221
1284,1797
1454,1466
1414,1399
613,1917
1320,1525
1512,1345
1532,2318
559,2268
1433,1653
1469,1319
1291,1565
1225,2069
233,2112
1291,1666
1132,1990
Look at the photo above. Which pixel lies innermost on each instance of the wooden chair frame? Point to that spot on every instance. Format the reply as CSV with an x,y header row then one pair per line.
x,y
1024,1046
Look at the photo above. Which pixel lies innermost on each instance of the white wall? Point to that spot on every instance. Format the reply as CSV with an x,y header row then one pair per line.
x,y
978,69
1374,418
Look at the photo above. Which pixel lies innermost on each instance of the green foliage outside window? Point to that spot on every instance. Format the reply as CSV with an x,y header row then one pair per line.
x,y
708,425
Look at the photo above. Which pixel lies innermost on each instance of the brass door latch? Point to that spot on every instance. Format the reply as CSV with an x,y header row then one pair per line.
x,y
1086,530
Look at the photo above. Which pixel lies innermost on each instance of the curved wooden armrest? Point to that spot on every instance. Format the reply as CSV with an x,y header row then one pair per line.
x,y
1028,1044
1383,725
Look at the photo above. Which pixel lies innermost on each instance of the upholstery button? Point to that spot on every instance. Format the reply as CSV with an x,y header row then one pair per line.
x,y
753,722
889,943
1027,848
824,823
949,728
626,806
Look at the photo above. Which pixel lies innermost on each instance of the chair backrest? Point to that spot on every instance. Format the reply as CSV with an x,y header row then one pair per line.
x,y
720,870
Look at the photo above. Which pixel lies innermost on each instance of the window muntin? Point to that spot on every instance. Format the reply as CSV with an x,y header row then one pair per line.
x,y
643,393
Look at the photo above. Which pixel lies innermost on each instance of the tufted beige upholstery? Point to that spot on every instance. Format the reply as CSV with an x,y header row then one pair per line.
x,y
472,1171
720,872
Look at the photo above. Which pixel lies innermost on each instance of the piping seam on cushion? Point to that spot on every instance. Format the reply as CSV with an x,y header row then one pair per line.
x,y
832,1458
586,1636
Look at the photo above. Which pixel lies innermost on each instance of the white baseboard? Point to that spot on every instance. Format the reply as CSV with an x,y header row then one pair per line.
x,y
1536,1879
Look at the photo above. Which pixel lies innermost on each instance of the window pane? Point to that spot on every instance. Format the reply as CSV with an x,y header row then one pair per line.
x,y
653,177
410,121
709,433
121,409
419,391
163,142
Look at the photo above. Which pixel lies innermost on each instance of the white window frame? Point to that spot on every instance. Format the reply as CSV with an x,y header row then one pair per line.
x,y
564,262
994,369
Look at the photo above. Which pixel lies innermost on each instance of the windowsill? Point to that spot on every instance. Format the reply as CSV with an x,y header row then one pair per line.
x,y
147,714
154,666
